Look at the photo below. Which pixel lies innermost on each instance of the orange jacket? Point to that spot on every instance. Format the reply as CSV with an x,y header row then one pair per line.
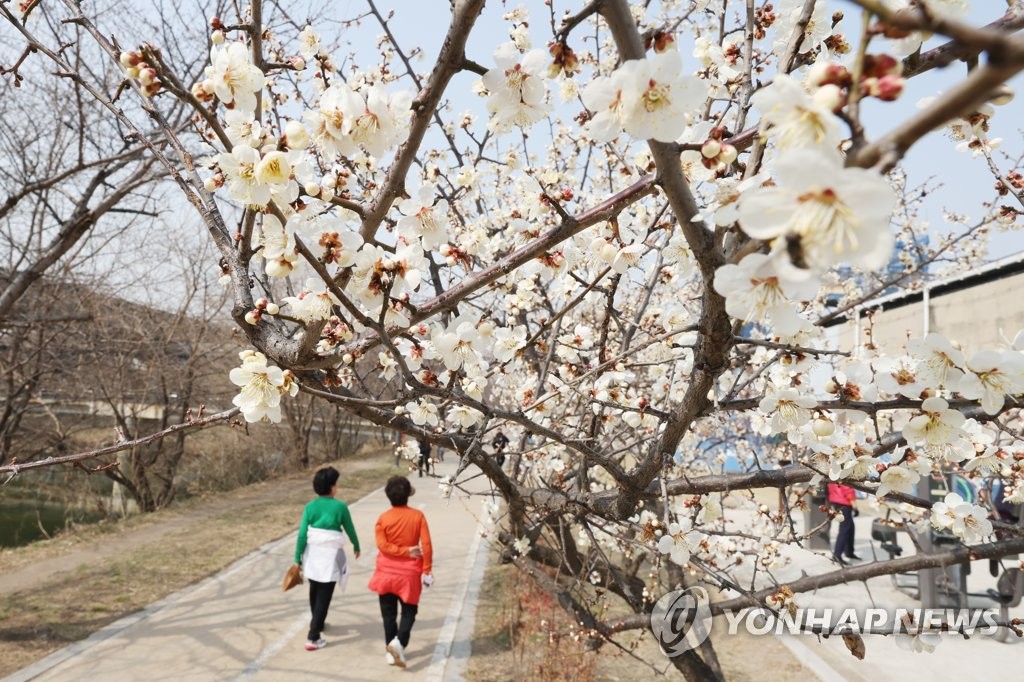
x,y
400,528
396,572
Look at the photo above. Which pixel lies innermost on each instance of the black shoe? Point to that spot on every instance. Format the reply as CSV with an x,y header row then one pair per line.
x,y
853,557
838,559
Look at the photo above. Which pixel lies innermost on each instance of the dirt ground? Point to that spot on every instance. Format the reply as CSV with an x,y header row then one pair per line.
x,y
515,639
61,590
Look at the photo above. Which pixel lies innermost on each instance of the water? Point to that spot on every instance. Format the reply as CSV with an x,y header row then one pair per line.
x,y
20,520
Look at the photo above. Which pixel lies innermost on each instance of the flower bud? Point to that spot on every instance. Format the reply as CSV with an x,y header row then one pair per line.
x,y
451,261
217,37
297,63
211,184
200,93
823,427
326,193
130,59
133,72
829,96
400,409
312,189
818,72
295,135
728,154
879,65
831,387
710,149
608,252
888,88
253,317
261,303
273,309
1002,95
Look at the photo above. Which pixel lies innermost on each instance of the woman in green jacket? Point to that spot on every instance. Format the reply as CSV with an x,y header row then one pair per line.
x,y
320,549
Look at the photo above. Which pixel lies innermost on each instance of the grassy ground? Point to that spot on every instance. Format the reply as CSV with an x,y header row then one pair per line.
x,y
171,550
515,639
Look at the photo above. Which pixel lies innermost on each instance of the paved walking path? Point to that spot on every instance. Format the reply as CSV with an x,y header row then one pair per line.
x,y
981,657
238,625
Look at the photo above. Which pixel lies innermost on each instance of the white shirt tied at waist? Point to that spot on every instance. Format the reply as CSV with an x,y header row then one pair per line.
x,y
324,559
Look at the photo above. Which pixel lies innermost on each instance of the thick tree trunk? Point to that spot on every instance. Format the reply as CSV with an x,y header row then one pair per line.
x,y
694,669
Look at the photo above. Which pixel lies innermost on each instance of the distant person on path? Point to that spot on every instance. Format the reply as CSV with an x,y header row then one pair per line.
x,y
424,464
404,566
440,450
841,497
320,550
499,444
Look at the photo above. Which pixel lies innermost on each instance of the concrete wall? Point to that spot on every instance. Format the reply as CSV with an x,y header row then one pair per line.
x,y
973,316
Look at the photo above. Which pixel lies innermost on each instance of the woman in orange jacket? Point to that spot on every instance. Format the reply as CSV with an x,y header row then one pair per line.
x,y
404,565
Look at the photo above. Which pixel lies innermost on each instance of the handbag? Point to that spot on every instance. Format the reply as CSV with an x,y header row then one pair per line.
x,y
292,577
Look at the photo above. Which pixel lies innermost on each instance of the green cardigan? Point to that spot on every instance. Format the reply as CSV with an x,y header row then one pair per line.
x,y
326,513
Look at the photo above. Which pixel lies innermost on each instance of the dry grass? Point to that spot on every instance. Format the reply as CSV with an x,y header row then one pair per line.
x,y
519,634
202,539
515,639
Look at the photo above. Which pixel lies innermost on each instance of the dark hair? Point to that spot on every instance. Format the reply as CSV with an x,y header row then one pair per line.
x,y
324,480
398,490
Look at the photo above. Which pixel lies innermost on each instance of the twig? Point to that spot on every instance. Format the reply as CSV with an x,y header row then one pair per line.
x,y
15,468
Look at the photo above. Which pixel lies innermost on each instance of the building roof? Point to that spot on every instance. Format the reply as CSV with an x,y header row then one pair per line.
x,y
989,272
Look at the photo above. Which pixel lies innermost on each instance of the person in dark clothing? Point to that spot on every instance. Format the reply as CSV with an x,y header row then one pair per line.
x,y
499,443
842,497
424,464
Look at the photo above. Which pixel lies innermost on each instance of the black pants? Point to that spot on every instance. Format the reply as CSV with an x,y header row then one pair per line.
x,y
389,612
844,539
319,601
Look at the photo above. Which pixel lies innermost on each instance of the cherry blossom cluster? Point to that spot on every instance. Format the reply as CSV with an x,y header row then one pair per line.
x,y
262,386
136,66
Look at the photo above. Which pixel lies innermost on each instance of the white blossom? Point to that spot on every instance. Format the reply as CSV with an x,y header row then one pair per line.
x,y
424,219
788,408
839,215
939,364
679,542
262,386
795,118
897,479
309,42
517,93
967,521
236,80
991,376
754,291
